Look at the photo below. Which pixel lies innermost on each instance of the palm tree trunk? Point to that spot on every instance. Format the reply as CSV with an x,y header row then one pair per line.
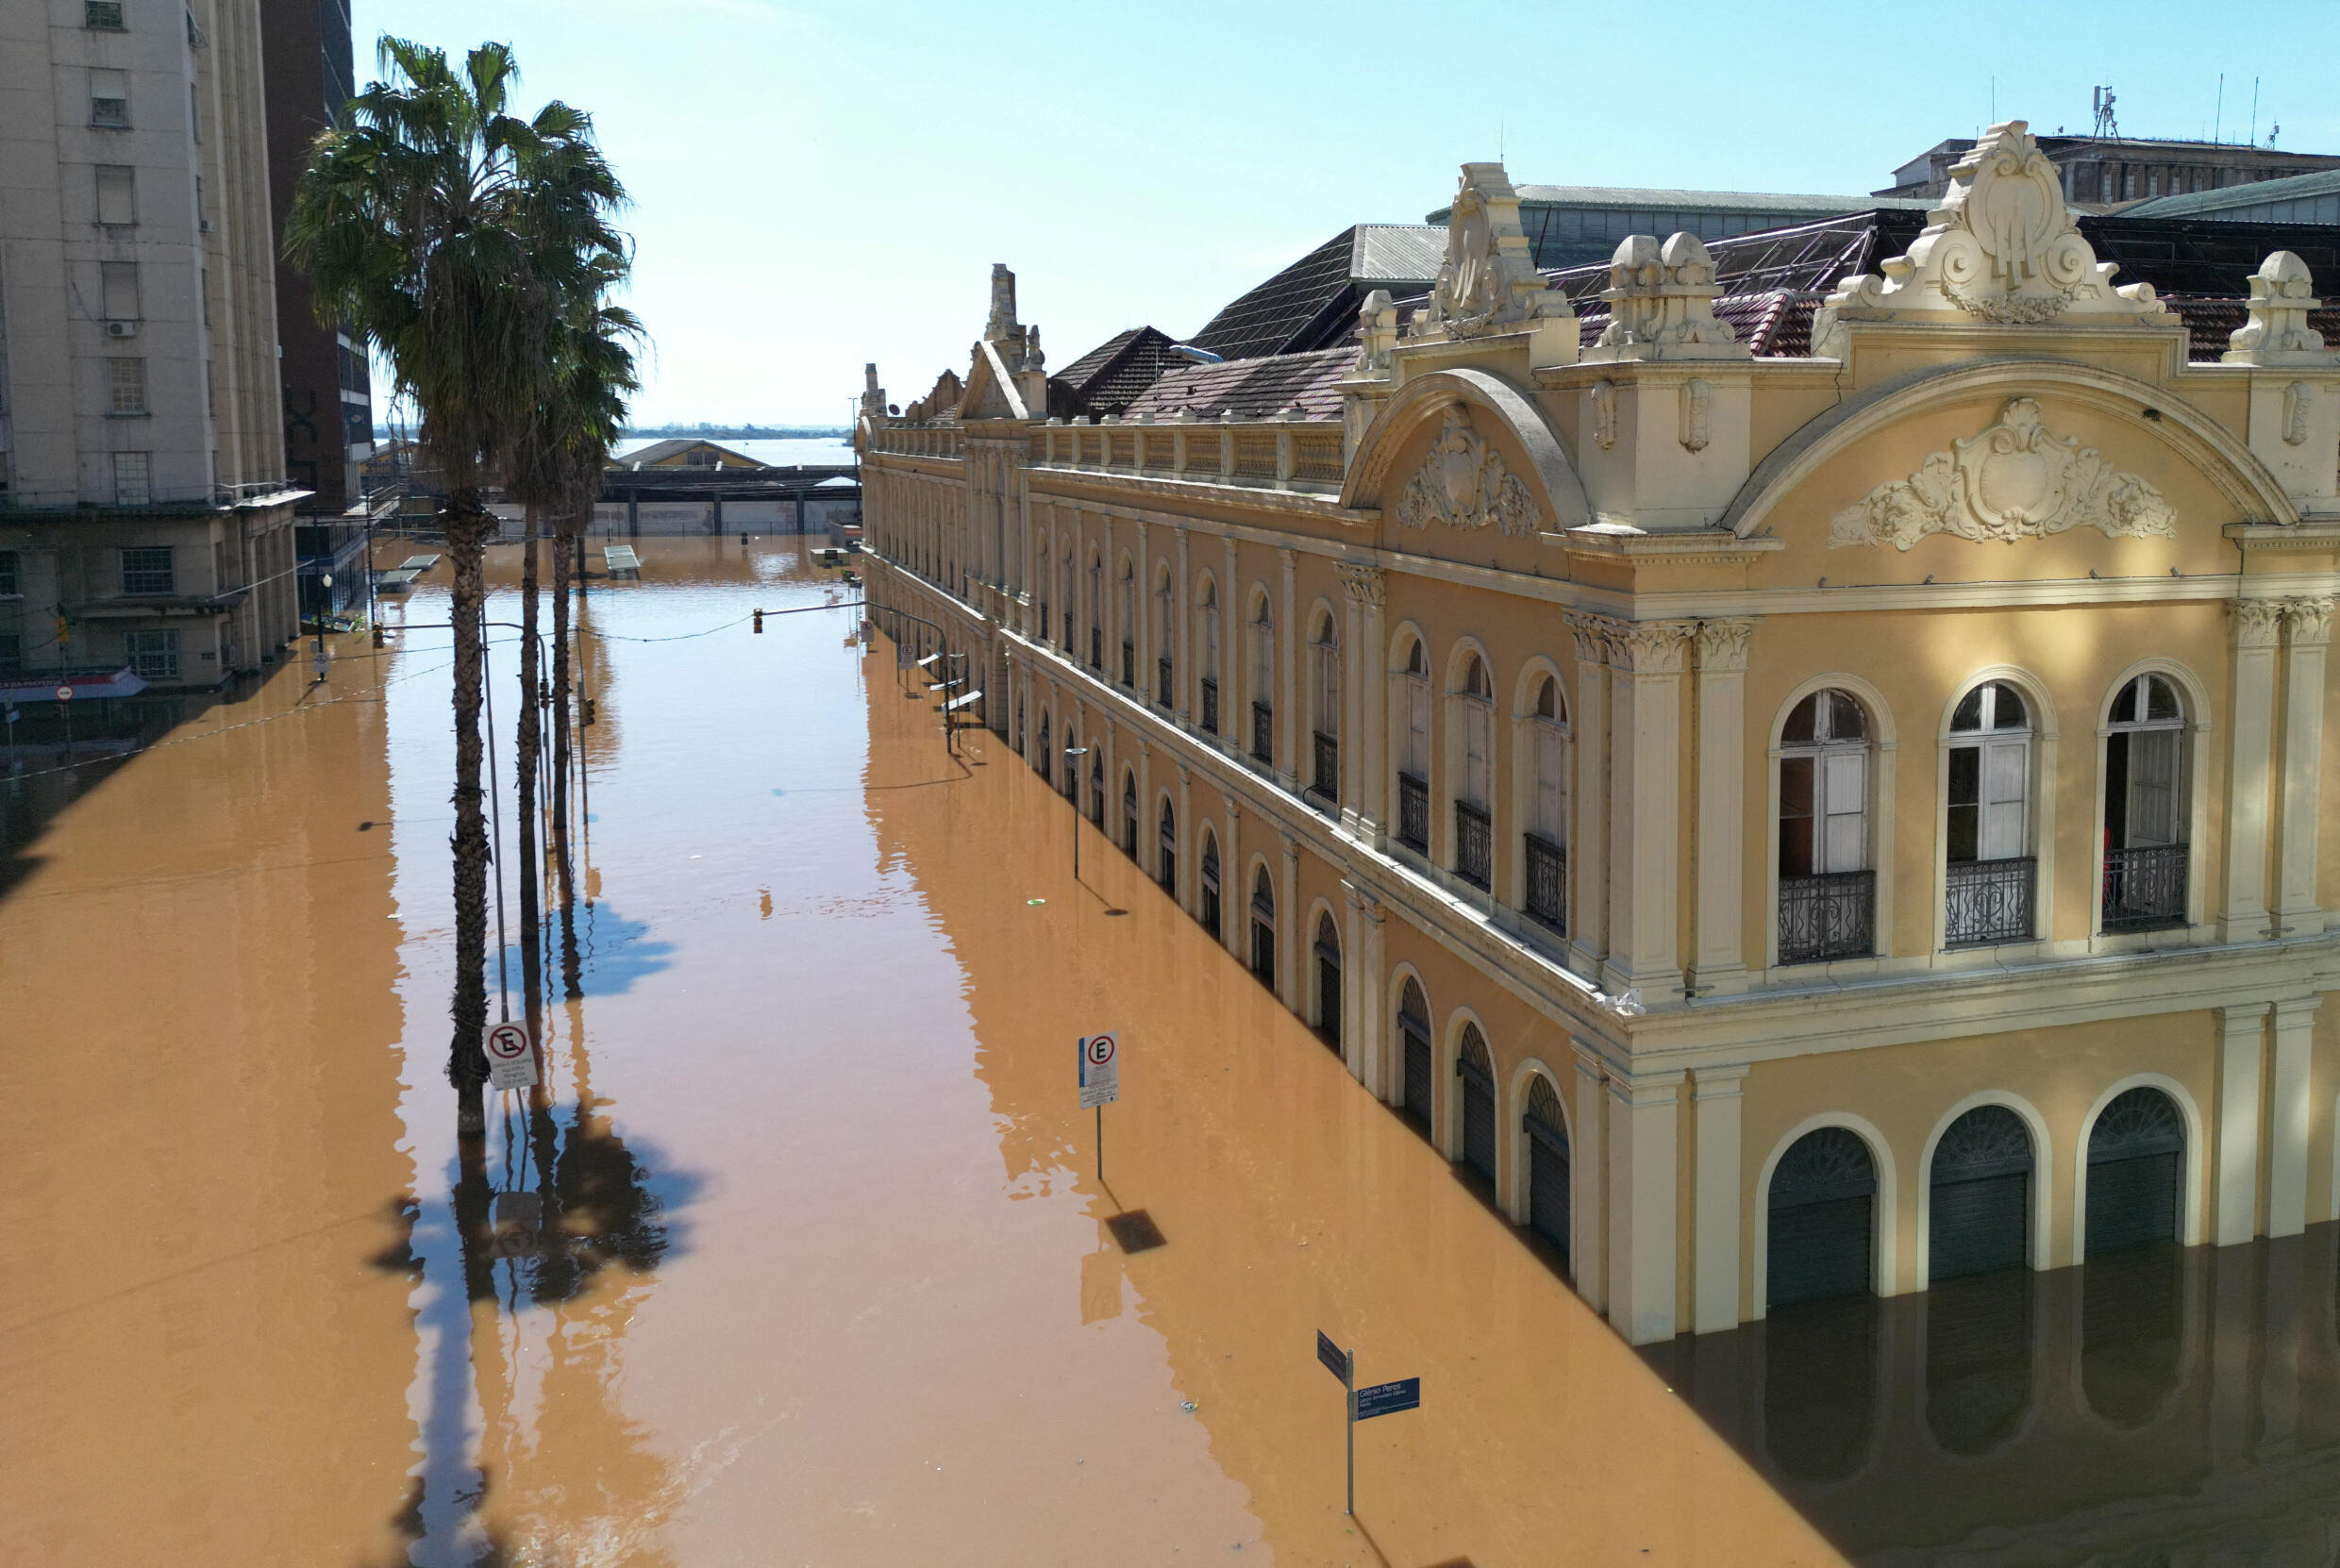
x,y
565,528
467,526
526,751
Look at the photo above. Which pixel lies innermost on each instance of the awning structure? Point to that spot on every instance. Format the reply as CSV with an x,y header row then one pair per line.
x,y
86,686
956,703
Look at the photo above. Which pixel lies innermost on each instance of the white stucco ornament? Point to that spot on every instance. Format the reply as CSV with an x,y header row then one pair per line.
x,y
2001,248
2015,480
1465,484
1488,281
2281,295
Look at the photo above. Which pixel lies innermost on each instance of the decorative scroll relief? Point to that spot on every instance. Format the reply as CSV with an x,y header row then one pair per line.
x,y
1465,484
1488,281
2015,480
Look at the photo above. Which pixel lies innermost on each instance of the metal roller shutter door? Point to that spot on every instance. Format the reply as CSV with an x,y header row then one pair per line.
x,y
2132,1203
1820,1250
1477,1119
1547,1183
1417,1076
1980,1225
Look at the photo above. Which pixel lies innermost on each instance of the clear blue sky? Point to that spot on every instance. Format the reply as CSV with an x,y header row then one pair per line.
x,y
819,185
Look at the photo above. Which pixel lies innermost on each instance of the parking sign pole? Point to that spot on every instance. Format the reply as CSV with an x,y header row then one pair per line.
x,y
1349,1397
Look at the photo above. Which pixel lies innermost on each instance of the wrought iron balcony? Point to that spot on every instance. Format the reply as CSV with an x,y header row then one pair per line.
x,y
1262,733
1326,781
1209,705
1548,882
1129,663
1413,812
1473,841
2145,888
1989,901
1829,916
1161,680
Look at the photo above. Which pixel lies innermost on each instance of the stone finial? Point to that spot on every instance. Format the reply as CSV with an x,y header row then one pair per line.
x,y
1488,282
1002,323
873,395
1033,360
1662,303
2001,248
1377,321
2281,295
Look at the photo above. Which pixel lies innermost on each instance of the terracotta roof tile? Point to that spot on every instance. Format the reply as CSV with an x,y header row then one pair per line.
x,y
1291,385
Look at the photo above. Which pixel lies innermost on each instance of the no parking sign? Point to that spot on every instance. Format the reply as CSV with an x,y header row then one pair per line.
x,y
512,1064
1100,1070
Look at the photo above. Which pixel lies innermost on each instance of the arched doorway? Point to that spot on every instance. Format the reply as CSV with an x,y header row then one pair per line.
x,y
1044,759
1263,929
1129,814
1822,1219
1413,1033
2136,1163
1327,982
1207,905
1980,1195
1096,790
1545,1130
1019,726
1475,1068
1167,865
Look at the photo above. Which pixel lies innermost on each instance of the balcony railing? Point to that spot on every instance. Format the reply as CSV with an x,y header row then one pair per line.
x,y
1548,882
1262,733
1413,812
1209,705
2145,888
1161,680
1326,781
1128,664
1989,901
1472,840
1096,648
1829,916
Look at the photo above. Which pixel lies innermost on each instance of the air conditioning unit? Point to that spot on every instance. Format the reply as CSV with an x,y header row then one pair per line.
x,y
122,329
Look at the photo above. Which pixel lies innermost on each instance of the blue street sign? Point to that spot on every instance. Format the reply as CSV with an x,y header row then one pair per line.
x,y
1334,1358
1389,1398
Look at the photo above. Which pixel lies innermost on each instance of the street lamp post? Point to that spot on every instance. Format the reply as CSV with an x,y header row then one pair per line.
x,y
1072,761
322,663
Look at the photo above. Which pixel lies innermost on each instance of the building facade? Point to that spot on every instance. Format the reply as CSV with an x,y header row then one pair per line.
x,y
2101,173
146,521
1791,824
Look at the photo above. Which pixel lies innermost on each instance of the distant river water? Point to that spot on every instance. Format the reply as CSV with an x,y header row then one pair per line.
x,y
780,453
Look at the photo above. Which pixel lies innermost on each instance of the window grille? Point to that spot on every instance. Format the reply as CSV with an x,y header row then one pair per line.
x,y
8,583
153,655
125,386
132,479
149,570
102,16
1413,812
11,653
1262,733
1548,882
1328,777
1471,835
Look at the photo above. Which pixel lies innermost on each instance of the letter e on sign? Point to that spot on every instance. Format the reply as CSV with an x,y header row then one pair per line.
x,y
1100,1069
512,1064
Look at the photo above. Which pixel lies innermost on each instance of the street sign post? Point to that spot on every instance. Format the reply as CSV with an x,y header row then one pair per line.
x,y
1364,1404
1389,1398
512,1060
1100,1082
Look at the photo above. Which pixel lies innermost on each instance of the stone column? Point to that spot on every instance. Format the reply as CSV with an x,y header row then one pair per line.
x,y
1182,636
1720,965
1287,699
1588,1210
1141,606
1234,662
1588,845
1716,1284
2287,1131
1365,771
1293,939
2242,909
2242,1041
2307,627
1645,819
1363,1022
1234,889
1643,1117
1190,846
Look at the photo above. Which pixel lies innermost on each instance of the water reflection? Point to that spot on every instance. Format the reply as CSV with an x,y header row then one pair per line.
x,y
2159,1406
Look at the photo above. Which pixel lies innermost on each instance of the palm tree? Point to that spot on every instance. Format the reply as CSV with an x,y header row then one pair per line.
x,y
450,235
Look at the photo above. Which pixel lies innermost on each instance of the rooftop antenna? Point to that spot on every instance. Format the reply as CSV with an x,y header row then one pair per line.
x,y
2254,111
2217,116
2106,126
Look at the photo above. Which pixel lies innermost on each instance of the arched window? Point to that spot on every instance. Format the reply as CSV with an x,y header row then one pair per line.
x,y
2146,810
1044,757
1546,1128
2136,1165
1166,865
1475,704
1991,872
1327,956
1325,700
1097,613
1414,1034
1164,665
1264,684
1126,624
1130,813
1979,1306
1414,756
1046,578
1980,1197
1822,1219
1019,725
1097,784
1207,656
1207,903
1263,929
1473,1071
1827,894
1064,570
1546,836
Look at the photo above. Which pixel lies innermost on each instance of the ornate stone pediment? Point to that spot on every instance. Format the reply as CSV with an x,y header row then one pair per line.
x,y
2002,248
1488,281
2015,480
1464,483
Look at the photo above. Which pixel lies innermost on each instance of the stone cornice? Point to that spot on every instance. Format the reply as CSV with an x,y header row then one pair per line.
x,y
1702,547
2252,537
1303,503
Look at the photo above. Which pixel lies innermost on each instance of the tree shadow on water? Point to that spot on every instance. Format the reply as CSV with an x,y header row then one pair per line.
x,y
613,953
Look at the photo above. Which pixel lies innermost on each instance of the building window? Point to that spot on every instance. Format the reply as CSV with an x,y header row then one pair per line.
x,y
1826,890
147,569
1546,858
102,16
1475,709
8,582
2144,808
117,195
1413,761
154,654
133,485
1263,686
110,100
1208,657
11,653
1326,695
118,290
125,386
1991,871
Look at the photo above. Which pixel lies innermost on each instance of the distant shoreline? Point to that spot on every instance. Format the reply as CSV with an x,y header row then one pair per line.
x,y
721,432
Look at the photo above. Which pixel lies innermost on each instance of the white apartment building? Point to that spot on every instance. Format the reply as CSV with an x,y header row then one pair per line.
x,y
144,517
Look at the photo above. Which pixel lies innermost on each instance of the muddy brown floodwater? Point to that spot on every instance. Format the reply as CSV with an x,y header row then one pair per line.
x,y
825,1277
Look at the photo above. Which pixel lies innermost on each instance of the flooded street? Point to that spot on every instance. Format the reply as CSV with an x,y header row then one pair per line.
x,y
830,1278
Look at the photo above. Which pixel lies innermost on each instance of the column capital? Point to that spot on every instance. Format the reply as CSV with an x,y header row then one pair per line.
x,y
2296,1012
1364,900
1652,647
1365,584
2307,621
1722,645
1642,1090
2255,623
1289,557
1289,842
1714,1083
1593,634
1234,807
